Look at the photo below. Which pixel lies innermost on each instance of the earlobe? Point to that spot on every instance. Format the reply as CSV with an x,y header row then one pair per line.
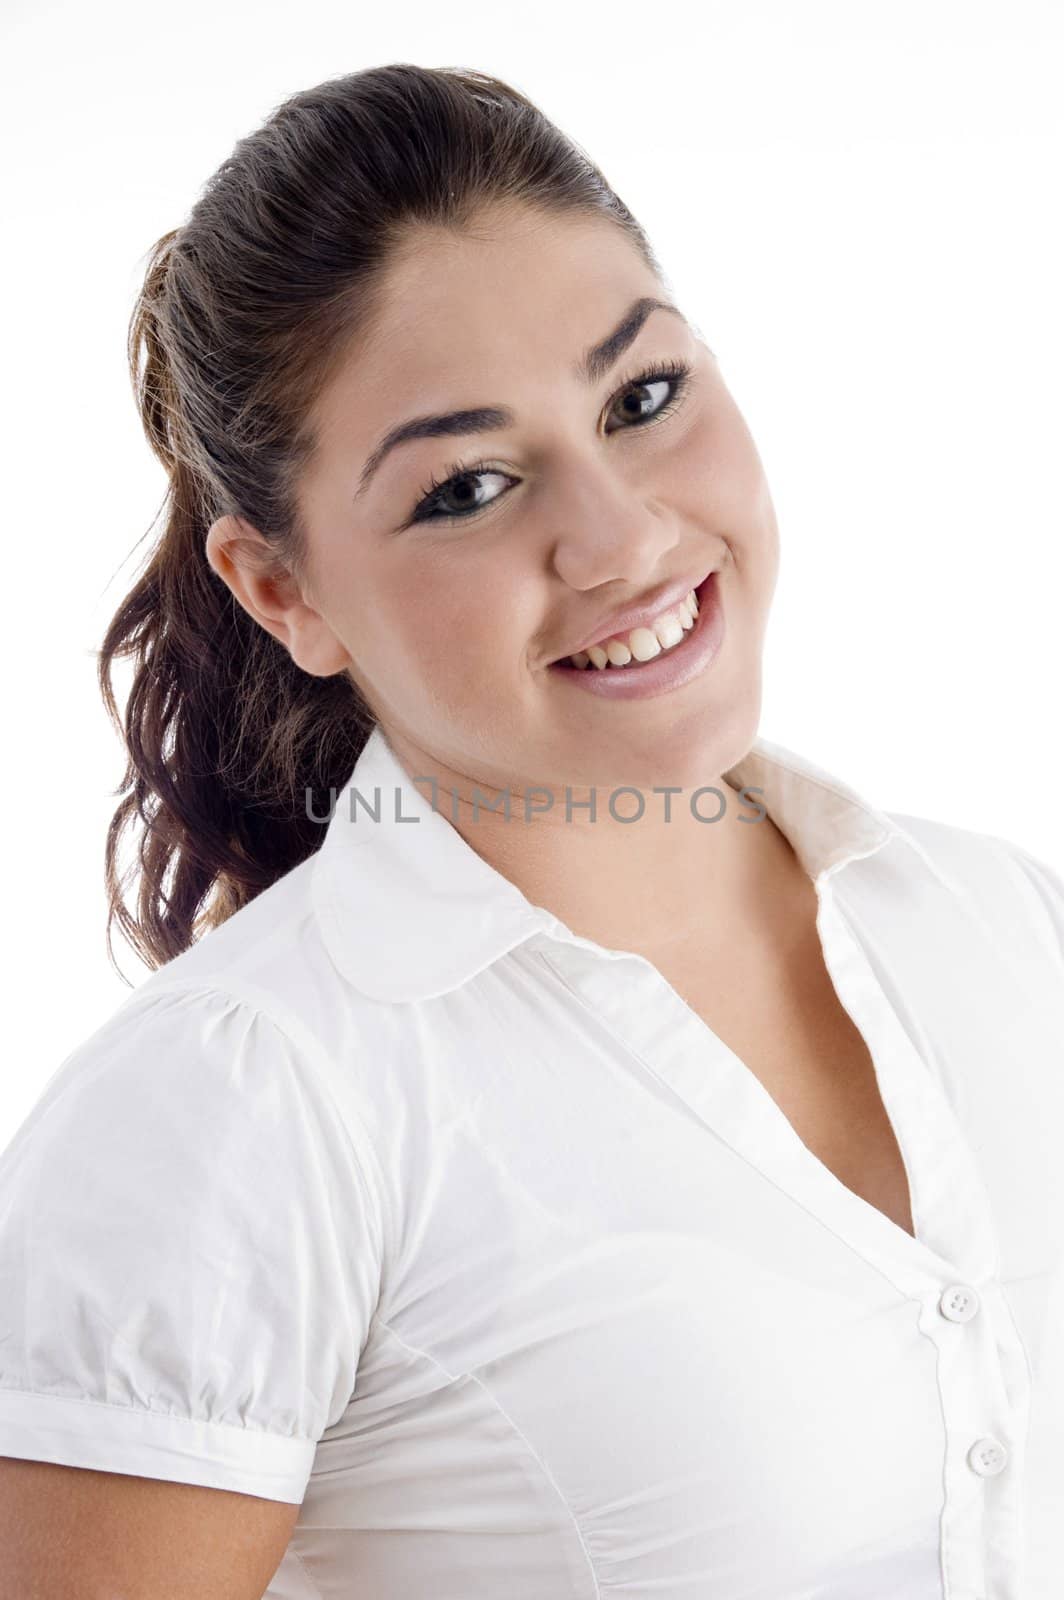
x,y
314,647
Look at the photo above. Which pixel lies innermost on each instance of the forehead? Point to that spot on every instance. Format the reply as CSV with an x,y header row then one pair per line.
x,y
514,294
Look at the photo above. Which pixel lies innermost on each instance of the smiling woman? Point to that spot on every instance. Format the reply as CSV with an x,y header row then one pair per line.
x,y
614,1197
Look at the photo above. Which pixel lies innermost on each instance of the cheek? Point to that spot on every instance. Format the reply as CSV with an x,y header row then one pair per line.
x,y
449,621
718,477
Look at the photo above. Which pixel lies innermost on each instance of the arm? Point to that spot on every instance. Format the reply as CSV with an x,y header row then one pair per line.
x,y
73,1531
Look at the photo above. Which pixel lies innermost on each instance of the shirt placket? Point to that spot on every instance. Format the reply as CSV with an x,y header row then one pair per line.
x,y
950,1269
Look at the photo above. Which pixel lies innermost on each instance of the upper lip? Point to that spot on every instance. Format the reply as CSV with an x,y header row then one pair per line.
x,y
637,615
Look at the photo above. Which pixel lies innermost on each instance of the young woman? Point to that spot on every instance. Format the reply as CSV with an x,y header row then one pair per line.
x,y
568,1145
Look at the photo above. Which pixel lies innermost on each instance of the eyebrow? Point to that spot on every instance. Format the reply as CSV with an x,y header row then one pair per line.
x,y
593,365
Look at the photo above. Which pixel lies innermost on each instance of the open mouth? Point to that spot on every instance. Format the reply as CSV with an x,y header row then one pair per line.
x,y
704,599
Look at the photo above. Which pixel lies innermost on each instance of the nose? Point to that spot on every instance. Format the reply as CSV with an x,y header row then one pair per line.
x,y
604,530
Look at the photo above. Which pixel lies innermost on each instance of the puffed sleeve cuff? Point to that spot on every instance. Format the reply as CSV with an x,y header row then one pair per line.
x,y
109,1438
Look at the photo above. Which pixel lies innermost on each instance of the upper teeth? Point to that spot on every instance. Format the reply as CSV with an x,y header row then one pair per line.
x,y
642,644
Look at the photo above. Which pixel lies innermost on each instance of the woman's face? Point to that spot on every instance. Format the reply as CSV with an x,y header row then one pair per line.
x,y
449,616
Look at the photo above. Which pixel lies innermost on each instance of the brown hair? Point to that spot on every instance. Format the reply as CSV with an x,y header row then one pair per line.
x,y
244,312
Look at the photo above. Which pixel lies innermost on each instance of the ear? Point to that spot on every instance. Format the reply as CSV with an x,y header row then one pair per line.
x,y
249,566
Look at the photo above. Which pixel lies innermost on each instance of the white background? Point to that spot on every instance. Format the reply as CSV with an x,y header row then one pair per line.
x,y
859,206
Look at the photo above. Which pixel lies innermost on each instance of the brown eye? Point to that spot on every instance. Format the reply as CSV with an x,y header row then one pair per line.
x,y
638,395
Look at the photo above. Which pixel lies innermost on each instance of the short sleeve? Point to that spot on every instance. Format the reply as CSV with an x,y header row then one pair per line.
x,y
190,1252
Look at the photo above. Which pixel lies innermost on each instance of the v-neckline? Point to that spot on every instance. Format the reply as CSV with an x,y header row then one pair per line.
x,y
715,1084
811,1059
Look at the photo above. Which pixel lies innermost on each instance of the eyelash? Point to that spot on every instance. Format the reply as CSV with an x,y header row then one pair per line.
x,y
675,372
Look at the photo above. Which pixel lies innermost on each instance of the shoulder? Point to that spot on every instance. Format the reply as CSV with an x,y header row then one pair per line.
x,y
189,1083
271,948
1009,888
275,956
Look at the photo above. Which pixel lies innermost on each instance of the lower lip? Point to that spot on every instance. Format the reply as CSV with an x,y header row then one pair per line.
x,y
669,670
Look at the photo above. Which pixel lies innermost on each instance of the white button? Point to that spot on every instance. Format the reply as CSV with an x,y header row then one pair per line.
x,y
987,1457
959,1302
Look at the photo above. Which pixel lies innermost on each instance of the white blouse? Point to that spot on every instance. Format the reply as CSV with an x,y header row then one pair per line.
x,y
396,1199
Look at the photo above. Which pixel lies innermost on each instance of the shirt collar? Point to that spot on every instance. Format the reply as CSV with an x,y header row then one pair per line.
x,y
409,910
